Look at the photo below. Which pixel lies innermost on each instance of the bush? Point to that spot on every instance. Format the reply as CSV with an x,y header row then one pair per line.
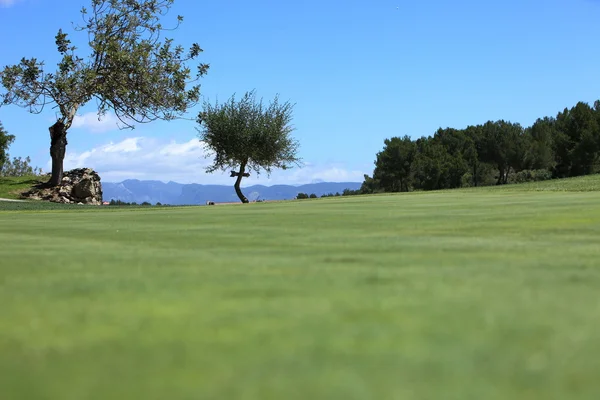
x,y
530,175
302,196
19,167
313,196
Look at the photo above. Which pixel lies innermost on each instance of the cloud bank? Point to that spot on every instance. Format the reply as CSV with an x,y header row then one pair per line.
x,y
152,159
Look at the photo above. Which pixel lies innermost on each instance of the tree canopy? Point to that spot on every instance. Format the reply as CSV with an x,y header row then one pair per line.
x,y
130,69
248,135
496,152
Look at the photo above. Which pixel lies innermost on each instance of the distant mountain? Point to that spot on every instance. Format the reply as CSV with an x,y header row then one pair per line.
x,y
133,190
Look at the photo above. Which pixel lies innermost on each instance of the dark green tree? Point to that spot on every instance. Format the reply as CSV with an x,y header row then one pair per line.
x,y
461,159
538,152
430,166
129,68
248,136
393,164
369,185
5,142
500,145
576,141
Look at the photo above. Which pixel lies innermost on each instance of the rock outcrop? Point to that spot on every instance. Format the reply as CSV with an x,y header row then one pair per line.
x,y
78,186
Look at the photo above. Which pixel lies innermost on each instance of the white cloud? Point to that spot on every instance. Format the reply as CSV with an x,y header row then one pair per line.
x,y
90,122
7,3
151,159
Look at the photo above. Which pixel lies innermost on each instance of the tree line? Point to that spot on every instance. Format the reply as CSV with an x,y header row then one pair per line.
x,y
493,153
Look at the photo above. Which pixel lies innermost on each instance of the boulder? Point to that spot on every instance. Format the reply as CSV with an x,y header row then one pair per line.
x,y
78,186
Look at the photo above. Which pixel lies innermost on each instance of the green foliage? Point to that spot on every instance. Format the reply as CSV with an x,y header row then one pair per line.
x,y
497,152
130,68
114,202
249,134
350,192
393,164
370,185
19,167
337,194
302,196
528,175
5,142
577,141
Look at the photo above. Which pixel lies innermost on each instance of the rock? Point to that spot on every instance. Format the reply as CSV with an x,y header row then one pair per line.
x,y
84,188
79,186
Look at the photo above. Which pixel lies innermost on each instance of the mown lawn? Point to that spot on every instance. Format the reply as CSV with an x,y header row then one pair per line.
x,y
466,294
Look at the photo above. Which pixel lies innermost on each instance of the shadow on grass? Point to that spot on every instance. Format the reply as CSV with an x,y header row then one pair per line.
x,y
13,182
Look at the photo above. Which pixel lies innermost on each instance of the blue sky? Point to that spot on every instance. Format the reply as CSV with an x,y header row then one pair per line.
x,y
359,71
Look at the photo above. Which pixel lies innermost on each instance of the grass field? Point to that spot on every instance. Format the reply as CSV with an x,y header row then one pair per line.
x,y
10,187
476,294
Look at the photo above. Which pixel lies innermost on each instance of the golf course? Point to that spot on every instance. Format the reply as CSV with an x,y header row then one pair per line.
x,y
483,293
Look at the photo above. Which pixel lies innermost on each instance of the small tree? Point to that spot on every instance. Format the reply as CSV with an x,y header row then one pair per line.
x,y
248,136
5,142
19,167
130,69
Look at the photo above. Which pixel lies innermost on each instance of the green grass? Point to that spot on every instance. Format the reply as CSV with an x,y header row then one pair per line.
x,y
469,294
11,187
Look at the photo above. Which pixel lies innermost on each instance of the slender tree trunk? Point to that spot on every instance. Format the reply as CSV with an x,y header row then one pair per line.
x,y
58,147
506,176
238,180
500,175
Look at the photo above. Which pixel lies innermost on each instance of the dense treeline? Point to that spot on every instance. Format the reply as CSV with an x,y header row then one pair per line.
x,y
497,152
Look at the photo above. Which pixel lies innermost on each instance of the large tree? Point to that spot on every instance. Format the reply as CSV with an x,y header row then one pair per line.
x,y
576,141
129,69
501,144
393,164
5,141
247,135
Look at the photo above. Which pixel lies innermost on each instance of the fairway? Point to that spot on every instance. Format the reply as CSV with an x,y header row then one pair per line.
x,y
489,293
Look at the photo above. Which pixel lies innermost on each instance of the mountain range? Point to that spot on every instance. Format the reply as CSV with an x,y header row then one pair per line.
x,y
173,193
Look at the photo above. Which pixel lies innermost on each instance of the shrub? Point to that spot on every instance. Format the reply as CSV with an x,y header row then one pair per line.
x,y
19,167
530,175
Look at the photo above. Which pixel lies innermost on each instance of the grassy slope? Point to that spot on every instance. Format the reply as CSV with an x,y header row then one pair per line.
x,y
467,294
11,187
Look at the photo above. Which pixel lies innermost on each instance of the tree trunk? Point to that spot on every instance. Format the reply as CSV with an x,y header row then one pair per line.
x,y
58,147
238,180
500,175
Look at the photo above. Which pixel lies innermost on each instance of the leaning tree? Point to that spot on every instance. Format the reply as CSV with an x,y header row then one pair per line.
x,y
129,69
247,135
